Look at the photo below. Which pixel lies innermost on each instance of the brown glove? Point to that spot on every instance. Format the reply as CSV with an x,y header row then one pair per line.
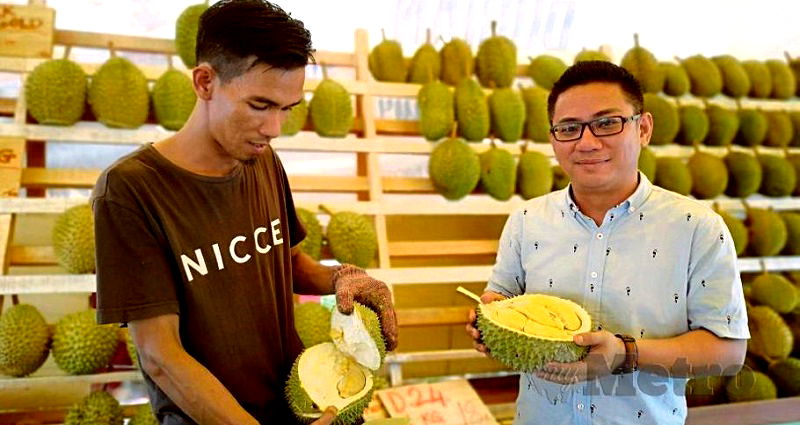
x,y
351,284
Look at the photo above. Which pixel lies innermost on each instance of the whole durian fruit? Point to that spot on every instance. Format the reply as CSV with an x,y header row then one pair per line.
x,y
425,65
794,159
766,232
590,55
313,323
296,119
436,110
55,92
779,178
795,117
760,78
312,244
744,174
749,385
98,408
457,61
644,66
694,125
647,163
534,174
735,81
792,220
770,336
507,109
775,292
186,33
331,109
454,168
783,82
545,70
118,94
173,99
73,239
144,416
80,345
351,238
673,174
537,121
24,340
723,124
498,173
386,62
738,231
706,80
472,110
676,80
753,127
709,175
794,65
780,130
786,375
496,61
666,120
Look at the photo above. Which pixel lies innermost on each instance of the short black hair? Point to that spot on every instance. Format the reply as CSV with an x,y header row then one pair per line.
x,y
232,32
586,72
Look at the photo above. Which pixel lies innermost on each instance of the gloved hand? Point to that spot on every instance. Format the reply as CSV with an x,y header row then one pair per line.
x,y
351,284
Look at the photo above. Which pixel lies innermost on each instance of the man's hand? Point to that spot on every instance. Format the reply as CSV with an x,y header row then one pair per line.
x,y
351,284
472,331
327,418
606,353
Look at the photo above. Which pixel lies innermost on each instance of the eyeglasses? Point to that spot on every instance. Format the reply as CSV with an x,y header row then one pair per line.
x,y
600,127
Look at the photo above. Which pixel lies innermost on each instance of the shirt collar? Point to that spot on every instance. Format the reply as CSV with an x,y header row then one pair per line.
x,y
633,203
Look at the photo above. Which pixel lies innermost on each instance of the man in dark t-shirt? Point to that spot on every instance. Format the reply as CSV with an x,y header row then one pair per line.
x,y
197,234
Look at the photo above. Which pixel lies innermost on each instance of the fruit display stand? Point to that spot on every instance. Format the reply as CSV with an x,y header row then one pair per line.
x,y
427,245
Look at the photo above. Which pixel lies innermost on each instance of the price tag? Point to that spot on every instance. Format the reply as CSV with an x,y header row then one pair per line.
x,y
442,403
26,30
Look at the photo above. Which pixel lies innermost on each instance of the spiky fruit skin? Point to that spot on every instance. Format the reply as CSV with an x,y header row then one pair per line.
x,y
498,173
723,126
786,375
644,66
507,111
735,81
457,61
749,385
425,66
676,80
55,92
560,178
352,238
706,80
673,174
130,346
709,175
767,232
301,403
753,126
496,62
98,408
774,291
738,231
144,416
666,121
331,109
534,175
312,244
173,99
386,62
770,336
80,345
436,113
186,33
760,79
373,325
545,70
472,110
537,122
24,340
744,174
780,129
591,55
792,220
647,163
313,323
783,82
779,178
694,125
525,354
296,120
73,239
454,168
118,94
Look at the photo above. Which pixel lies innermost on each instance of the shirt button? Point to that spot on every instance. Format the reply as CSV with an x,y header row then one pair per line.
x,y
594,274
599,236
580,406
632,209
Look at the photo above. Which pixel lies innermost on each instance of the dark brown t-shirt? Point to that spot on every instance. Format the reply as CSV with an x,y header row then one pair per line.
x,y
215,251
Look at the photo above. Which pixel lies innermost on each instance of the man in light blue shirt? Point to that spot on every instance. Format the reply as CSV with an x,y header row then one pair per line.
x,y
655,270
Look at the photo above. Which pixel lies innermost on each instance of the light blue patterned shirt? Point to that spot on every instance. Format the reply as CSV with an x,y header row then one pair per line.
x,y
660,265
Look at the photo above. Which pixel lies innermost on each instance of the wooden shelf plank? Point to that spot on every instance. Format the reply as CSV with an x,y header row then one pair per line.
x,y
47,284
437,248
121,42
31,255
20,384
432,316
59,177
430,356
328,183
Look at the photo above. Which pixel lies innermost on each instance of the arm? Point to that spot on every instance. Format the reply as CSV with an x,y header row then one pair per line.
x,y
697,352
309,276
185,381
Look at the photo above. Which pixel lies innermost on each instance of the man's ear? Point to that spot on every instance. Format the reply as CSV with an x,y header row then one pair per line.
x,y
204,81
645,128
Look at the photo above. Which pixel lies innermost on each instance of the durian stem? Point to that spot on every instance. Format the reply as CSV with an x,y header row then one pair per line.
x,y
468,293
696,146
494,28
67,51
715,206
787,56
763,266
169,62
428,36
454,132
324,70
524,147
746,206
326,210
111,49
636,39
383,34
442,39
14,299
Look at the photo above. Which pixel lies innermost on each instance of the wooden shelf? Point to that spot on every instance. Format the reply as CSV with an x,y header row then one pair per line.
x,y
21,384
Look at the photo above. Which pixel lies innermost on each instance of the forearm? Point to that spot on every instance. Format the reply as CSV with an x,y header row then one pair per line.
x,y
697,352
310,277
195,390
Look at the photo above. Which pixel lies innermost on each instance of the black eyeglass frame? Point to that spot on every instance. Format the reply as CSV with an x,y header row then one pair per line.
x,y
585,124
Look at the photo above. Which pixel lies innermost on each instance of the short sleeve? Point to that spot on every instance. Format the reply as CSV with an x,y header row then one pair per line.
x,y
296,230
716,300
508,276
134,279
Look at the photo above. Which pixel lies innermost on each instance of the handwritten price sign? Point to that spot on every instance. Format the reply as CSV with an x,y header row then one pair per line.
x,y
443,403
